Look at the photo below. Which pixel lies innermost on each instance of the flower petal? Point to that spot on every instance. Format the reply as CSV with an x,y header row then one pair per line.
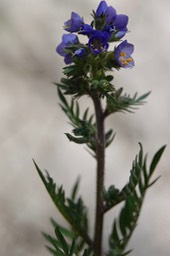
x,y
68,59
101,9
60,49
86,29
98,41
129,49
74,24
123,54
121,33
68,39
80,52
121,21
110,15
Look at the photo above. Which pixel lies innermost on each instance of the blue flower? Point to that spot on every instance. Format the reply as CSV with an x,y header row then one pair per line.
x,y
101,9
80,53
120,24
86,29
62,49
98,41
110,15
123,54
119,34
108,12
113,23
74,24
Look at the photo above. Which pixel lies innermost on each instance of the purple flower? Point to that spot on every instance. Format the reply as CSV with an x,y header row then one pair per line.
x,y
101,9
121,21
110,15
74,24
120,25
115,24
98,41
81,52
120,33
67,41
108,12
86,30
123,54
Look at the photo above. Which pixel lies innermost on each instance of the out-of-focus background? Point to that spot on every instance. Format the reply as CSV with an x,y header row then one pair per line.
x,y
32,125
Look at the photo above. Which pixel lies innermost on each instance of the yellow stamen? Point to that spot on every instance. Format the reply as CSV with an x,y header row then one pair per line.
x,y
123,54
124,62
129,60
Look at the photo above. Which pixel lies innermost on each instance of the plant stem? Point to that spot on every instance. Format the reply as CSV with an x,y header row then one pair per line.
x,y
100,139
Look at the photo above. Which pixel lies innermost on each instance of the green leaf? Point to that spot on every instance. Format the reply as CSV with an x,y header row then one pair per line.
x,y
109,78
65,231
112,199
156,159
79,211
51,240
84,130
62,98
75,83
62,240
85,114
153,182
133,195
116,102
55,252
77,109
108,135
78,140
123,221
143,97
126,253
72,248
115,232
75,189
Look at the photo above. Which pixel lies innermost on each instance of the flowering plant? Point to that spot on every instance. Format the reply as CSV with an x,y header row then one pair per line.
x,y
86,73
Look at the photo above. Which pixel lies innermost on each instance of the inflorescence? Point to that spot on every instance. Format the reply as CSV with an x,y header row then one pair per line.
x,y
107,27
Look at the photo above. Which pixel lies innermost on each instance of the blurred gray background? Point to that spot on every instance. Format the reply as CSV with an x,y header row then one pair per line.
x,y
32,124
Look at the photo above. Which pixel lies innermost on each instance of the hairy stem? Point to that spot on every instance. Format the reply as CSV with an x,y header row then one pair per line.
x,y
100,139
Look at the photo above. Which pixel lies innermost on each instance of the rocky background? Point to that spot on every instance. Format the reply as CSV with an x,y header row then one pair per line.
x,y
32,125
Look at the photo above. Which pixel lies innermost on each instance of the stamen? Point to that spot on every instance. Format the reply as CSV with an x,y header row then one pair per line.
x,y
123,54
129,60
97,47
124,62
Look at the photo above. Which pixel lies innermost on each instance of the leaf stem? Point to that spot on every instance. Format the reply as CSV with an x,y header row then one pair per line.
x,y
100,146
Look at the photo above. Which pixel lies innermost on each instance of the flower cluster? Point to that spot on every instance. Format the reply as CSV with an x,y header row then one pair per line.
x,y
107,27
